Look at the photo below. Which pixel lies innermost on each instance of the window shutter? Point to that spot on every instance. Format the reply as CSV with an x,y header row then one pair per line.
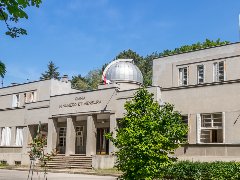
x,y
223,125
198,127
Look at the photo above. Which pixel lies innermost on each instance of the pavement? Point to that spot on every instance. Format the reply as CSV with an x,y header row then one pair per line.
x,y
23,175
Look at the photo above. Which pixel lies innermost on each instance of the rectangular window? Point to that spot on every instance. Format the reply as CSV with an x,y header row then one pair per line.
x,y
218,71
200,74
16,100
211,128
30,97
6,136
19,136
183,76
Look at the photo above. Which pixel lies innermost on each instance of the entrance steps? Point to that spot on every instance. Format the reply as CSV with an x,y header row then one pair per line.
x,y
60,161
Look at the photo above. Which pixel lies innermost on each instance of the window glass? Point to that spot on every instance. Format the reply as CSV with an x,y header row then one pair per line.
x,y
183,76
200,74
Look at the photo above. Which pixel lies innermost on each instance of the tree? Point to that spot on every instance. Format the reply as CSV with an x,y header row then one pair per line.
x,y
79,82
2,69
147,136
89,82
51,73
197,46
13,11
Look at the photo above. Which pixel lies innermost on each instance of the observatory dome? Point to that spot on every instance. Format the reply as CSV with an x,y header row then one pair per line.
x,y
124,71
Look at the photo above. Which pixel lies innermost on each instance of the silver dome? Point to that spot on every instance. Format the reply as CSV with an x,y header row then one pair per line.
x,y
124,71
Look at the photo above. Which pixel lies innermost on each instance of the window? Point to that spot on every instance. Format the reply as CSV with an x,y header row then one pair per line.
x,y
15,100
200,74
6,136
211,128
218,71
30,97
19,136
183,76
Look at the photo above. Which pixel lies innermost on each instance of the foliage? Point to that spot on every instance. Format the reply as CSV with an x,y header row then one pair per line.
x,y
37,150
13,11
203,170
2,69
51,73
147,137
89,82
197,46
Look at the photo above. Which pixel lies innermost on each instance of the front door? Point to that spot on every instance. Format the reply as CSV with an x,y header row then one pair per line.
x,y
79,140
102,142
62,140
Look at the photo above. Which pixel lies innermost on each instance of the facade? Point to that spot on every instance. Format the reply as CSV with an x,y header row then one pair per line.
x,y
73,121
204,86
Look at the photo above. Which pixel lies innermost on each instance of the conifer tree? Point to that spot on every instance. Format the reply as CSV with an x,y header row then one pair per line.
x,y
51,73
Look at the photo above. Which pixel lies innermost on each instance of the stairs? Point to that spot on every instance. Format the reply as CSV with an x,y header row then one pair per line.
x,y
80,161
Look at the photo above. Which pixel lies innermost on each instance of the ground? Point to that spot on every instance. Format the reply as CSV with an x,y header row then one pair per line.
x,y
22,175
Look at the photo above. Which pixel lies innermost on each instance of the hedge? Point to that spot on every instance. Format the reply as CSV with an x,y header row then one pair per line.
x,y
203,170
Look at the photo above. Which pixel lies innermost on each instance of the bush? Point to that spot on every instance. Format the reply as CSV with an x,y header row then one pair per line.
x,y
203,170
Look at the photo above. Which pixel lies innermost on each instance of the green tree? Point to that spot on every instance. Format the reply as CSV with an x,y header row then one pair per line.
x,y
197,46
2,69
79,82
13,11
89,82
51,73
147,136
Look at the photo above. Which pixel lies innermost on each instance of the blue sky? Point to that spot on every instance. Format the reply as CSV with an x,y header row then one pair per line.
x,y
81,35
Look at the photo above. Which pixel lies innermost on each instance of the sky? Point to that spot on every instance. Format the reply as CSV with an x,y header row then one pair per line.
x,y
82,35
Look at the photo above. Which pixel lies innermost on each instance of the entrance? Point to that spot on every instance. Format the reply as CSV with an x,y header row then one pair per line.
x,y
79,144
102,142
62,140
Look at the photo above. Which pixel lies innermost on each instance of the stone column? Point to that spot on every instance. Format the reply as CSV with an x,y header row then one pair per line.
x,y
13,136
70,136
113,127
91,136
52,135
26,134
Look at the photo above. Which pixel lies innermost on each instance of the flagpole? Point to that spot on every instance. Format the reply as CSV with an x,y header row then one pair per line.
x,y
239,27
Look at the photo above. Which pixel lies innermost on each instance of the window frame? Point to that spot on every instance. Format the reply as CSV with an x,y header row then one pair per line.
x,y
181,80
203,79
216,71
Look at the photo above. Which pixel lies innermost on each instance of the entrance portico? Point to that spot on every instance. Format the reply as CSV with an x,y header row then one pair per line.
x,y
81,134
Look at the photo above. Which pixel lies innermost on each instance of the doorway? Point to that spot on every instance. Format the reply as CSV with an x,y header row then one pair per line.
x,y
79,143
62,140
102,142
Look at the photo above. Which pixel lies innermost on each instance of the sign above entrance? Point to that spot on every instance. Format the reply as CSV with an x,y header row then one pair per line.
x,y
81,102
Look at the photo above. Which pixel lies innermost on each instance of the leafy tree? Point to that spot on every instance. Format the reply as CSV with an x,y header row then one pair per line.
x,y
147,137
2,69
13,11
51,73
89,82
79,82
186,48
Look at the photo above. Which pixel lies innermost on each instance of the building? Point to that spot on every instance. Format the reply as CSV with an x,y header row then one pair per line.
x,y
73,121
204,86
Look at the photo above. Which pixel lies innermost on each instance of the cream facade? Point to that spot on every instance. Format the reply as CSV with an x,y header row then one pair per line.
x,y
204,86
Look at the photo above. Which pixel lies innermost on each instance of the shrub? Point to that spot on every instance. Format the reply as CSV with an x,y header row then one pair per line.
x,y
203,170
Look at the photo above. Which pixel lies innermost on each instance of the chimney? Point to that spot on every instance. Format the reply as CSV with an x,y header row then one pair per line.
x,y
64,78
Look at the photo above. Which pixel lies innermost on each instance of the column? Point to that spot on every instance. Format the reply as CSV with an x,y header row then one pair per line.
x,y
52,135
91,136
113,127
70,136
26,134
13,136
